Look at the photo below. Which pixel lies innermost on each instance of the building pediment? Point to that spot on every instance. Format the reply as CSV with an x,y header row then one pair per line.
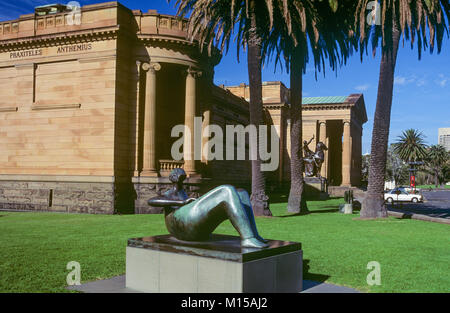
x,y
353,101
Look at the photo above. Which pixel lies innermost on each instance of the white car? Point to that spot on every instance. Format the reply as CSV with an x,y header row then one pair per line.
x,y
402,196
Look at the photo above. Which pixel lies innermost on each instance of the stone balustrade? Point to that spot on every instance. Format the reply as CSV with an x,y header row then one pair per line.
x,y
171,22
169,165
8,28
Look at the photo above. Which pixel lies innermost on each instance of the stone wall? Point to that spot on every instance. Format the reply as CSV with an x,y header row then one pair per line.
x,y
94,198
145,191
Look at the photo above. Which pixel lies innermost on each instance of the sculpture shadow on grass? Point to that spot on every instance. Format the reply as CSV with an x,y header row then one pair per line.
x,y
314,277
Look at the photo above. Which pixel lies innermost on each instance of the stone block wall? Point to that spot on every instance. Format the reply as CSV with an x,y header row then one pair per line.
x,y
93,198
89,197
145,191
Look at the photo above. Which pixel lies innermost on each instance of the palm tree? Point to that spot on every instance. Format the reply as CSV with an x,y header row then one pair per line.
x,y
410,146
213,23
297,27
436,160
415,20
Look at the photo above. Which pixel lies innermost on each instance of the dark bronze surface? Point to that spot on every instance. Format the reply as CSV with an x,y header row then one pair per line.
x,y
192,219
313,160
218,247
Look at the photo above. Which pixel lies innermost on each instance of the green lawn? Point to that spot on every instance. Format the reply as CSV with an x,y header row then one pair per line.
x,y
414,255
431,186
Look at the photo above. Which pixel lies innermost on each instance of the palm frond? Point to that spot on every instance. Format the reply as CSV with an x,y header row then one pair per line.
x,y
411,146
422,22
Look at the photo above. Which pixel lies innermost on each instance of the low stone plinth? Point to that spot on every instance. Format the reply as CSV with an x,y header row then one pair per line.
x,y
316,188
163,264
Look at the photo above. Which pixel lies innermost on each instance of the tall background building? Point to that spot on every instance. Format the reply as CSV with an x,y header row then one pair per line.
x,y
444,137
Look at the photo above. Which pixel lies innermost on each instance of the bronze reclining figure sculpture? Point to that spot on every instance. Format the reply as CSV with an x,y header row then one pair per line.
x,y
193,219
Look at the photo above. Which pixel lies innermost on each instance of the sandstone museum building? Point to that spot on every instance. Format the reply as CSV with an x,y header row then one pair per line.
x,y
87,105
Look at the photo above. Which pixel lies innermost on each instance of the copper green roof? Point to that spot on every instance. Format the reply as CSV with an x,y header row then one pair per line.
x,y
323,100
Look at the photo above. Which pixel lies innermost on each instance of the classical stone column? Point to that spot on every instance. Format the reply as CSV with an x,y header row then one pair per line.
x,y
205,140
323,139
190,109
149,157
347,155
139,72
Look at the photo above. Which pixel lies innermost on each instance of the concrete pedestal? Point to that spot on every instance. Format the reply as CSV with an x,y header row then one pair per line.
x,y
346,208
164,264
316,188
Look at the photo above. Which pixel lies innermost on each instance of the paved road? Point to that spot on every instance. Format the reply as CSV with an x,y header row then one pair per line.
x,y
437,204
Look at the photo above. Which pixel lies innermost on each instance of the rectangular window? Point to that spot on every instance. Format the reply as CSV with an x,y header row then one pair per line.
x,y
58,83
8,86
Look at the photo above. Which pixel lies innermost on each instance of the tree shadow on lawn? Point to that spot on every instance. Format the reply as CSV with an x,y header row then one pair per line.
x,y
316,278
283,197
330,210
276,198
408,209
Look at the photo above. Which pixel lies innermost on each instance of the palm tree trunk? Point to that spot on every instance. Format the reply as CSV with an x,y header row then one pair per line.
x,y
373,205
296,202
260,201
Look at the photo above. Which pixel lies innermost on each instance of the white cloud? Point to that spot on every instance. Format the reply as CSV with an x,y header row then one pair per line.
x,y
402,80
362,87
442,81
412,79
421,82
399,80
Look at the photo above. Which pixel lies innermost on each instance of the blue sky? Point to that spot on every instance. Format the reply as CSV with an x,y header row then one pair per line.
x,y
421,92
